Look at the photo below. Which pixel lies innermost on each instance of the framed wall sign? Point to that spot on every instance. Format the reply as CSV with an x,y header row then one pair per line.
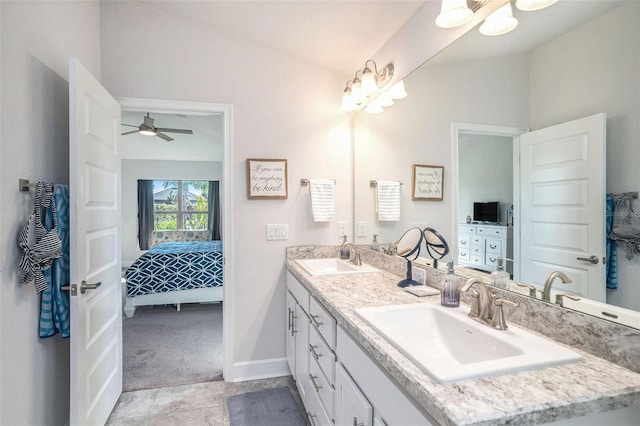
x,y
266,179
428,182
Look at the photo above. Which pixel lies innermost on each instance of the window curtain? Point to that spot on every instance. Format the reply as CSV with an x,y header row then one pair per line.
x,y
214,210
145,213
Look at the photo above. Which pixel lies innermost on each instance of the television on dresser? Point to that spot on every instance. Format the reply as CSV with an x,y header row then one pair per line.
x,y
488,211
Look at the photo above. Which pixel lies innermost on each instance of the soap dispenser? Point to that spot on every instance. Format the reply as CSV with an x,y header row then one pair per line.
x,y
345,252
500,278
375,245
450,291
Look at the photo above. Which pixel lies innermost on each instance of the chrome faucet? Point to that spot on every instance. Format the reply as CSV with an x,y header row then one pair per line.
x,y
546,291
356,255
391,248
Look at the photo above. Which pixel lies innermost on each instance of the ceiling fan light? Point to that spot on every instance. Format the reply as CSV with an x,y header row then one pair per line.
x,y
499,22
453,13
147,132
532,5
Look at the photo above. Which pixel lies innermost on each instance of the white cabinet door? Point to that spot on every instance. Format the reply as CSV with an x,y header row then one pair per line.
x,y
352,408
302,351
291,336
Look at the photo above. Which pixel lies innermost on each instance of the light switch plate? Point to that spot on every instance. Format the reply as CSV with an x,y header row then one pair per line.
x,y
277,231
342,228
362,228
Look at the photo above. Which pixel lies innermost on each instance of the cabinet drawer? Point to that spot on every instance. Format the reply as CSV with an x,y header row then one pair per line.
x,y
476,260
476,240
322,354
464,241
315,410
476,251
491,259
298,291
493,246
492,231
467,229
463,254
318,383
323,322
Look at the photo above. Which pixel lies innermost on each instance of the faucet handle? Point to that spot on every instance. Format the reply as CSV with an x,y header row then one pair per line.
x,y
498,321
475,303
532,289
356,259
559,297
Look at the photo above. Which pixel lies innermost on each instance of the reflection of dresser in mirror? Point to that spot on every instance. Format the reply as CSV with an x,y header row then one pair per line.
x,y
480,246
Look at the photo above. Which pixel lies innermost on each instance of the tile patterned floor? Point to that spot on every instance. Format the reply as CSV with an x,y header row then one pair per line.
x,y
192,405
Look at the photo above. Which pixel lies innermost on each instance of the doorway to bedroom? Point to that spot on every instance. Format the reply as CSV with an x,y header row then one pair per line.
x,y
172,243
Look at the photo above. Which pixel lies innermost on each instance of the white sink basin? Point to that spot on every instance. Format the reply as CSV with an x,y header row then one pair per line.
x,y
333,267
450,347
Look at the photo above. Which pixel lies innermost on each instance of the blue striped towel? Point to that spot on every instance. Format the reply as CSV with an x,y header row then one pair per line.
x,y
612,253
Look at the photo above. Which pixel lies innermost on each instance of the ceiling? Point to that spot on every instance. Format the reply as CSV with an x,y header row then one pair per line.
x,y
336,34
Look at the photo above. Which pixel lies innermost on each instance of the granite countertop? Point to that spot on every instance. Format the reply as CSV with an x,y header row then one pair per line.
x,y
533,397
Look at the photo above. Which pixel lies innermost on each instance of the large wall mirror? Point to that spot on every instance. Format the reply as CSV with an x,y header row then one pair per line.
x,y
467,107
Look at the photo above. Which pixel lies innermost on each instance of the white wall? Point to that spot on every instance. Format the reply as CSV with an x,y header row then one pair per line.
x,y
438,96
132,170
282,108
485,172
37,40
600,76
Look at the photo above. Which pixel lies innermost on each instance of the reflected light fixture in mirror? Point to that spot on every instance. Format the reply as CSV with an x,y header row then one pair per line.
x,y
499,22
532,5
454,13
370,91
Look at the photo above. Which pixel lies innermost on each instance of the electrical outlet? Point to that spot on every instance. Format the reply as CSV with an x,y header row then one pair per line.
x,y
342,230
419,275
362,228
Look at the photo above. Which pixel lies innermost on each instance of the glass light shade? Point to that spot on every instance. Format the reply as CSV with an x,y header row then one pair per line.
x,y
373,108
499,22
357,97
397,91
531,5
454,13
369,85
347,102
384,99
147,132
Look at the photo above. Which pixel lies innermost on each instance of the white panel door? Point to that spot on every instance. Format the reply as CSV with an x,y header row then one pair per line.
x,y
94,187
562,187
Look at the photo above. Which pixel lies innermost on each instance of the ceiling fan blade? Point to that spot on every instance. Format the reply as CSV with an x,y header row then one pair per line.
x,y
128,133
163,136
130,125
185,131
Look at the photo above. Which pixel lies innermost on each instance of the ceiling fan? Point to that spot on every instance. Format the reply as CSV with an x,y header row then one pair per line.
x,y
148,129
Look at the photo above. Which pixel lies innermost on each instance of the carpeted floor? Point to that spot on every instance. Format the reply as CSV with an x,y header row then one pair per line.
x,y
164,347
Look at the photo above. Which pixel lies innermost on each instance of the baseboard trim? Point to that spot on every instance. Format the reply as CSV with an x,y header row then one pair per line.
x,y
263,369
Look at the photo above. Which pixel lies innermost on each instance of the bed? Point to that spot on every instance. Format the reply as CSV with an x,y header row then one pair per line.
x,y
175,273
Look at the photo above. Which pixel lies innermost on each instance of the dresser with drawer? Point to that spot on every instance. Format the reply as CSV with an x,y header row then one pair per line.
x,y
480,246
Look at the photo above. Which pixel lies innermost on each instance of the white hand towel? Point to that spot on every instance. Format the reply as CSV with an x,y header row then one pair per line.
x,y
322,196
388,203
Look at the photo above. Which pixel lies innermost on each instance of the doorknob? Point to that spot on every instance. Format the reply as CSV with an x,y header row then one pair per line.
x,y
591,259
73,288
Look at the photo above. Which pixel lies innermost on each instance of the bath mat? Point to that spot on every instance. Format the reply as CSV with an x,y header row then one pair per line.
x,y
269,407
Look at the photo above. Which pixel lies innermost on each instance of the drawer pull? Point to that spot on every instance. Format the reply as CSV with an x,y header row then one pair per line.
x,y
463,242
355,422
290,319
463,254
492,260
313,383
312,419
315,321
293,324
493,246
312,349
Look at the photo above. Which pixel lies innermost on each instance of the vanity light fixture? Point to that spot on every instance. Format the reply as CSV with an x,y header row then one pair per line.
x,y
453,13
499,22
370,92
532,5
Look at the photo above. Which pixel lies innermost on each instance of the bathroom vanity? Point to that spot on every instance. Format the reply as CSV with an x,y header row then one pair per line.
x,y
348,373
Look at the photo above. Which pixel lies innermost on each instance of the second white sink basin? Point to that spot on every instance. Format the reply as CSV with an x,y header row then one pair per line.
x,y
333,267
449,346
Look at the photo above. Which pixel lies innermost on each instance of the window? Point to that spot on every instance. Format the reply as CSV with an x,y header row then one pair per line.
x,y
180,204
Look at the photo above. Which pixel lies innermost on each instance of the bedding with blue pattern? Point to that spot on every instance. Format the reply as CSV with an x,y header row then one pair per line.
x,y
176,266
